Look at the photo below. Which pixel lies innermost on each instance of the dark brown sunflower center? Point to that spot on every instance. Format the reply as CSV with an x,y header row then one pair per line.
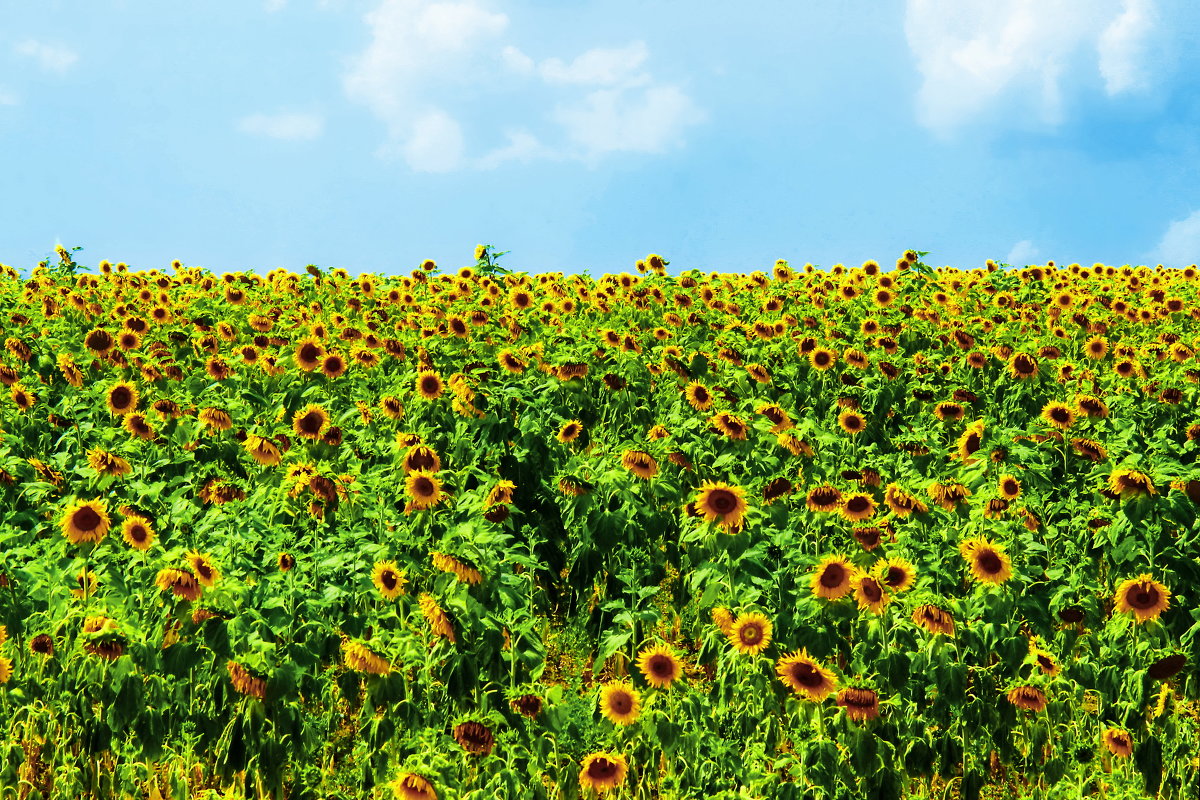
x,y
750,634
1011,487
1059,414
774,414
858,504
420,460
989,561
807,675
895,576
661,666
310,423
138,533
860,698
86,519
1045,662
1142,597
821,358
1024,365
833,575
334,364
423,487
121,397
309,352
620,702
871,590
722,501
430,385
388,579
602,769
203,570
972,443
823,497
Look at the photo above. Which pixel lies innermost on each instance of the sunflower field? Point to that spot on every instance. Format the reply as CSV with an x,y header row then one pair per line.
x,y
798,533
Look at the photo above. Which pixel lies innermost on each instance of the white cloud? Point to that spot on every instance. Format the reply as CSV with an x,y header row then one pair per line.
x,y
283,125
426,57
1180,245
7,98
1123,46
272,6
615,120
50,57
1016,59
1022,254
619,66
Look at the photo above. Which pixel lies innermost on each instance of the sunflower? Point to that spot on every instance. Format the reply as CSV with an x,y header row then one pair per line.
x,y
85,521
1091,406
215,419
87,582
138,427
869,593
730,425
750,633
778,417
106,463
137,532
833,577
1010,487
570,431
723,504
1089,449
202,567
897,574
901,503
1022,366
857,507
1142,596
989,563
934,619
823,498
287,562
423,458
1130,484
620,703
439,621
852,422
429,385
5,669
501,494
1044,661
1118,742
310,422
659,666
179,582
510,363
1029,698
722,619
389,579
1059,415
474,737
262,450
246,682
121,398
359,657
822,359
640,463
42,645
860,704
805,676
424,489
309,353
970,442
392,407
602,771
333,365
464,572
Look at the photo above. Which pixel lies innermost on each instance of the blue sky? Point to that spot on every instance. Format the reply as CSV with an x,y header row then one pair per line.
x,y
372,134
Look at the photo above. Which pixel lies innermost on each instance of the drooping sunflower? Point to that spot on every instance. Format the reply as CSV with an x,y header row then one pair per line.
x,y
602,771
1143,597
1091,406
439,620
1030,698
934,619
1130,483
970,442
869,592
852,422
137,426
902,503
85,521
1044,660
805,676
1118,742
424,489
988,561
861,704
179,582
389,579
723,504
137,532
391,406
262,450
640,463
429,385
421,457
287,562
730,425
833,577
1022,366
215,419
896,573
106,463
750,633
569,431
778,417
722,619
824,498
857,507
501,494
464,572
5,669
310,422
203,568
620,703
357,656
121,398
1058,414
246,682
659,666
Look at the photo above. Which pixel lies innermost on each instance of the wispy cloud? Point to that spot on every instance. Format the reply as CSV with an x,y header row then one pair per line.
x,y
422,52
1180,244
271,6
49,56
1017,59
295,126
1021,254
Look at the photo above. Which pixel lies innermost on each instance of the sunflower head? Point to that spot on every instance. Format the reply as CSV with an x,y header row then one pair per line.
x,y
85,521
137,532
805,676
424,489
310,422
1143,597
870,592
723,504
988,562
620,703
202,567
389,579
602,771
897,574
833,577
750,633
409,786
659,666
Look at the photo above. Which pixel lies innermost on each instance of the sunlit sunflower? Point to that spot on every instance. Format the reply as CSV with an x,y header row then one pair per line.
x,y
179,582
805,676
137,532
896,573
137,426
424,489
901,503
309,353
833,577
730,425
823,498
85,521
1130,484
262,450
934,619
723,504
602,771
333,364
698,396
620,703
852,422
970,442
423,458
1029,698
659,666
1143,597
202,567
1044,660
121,398
357,656
429,385
215,419
389,579
1091,406
822,359
860,704
570,431
106,463
464,572
392,407
439,620
869,592
1010,487
1059,415
640,463
988,561
1118,742
1022,366
857,507
750,633
310,422
722,619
